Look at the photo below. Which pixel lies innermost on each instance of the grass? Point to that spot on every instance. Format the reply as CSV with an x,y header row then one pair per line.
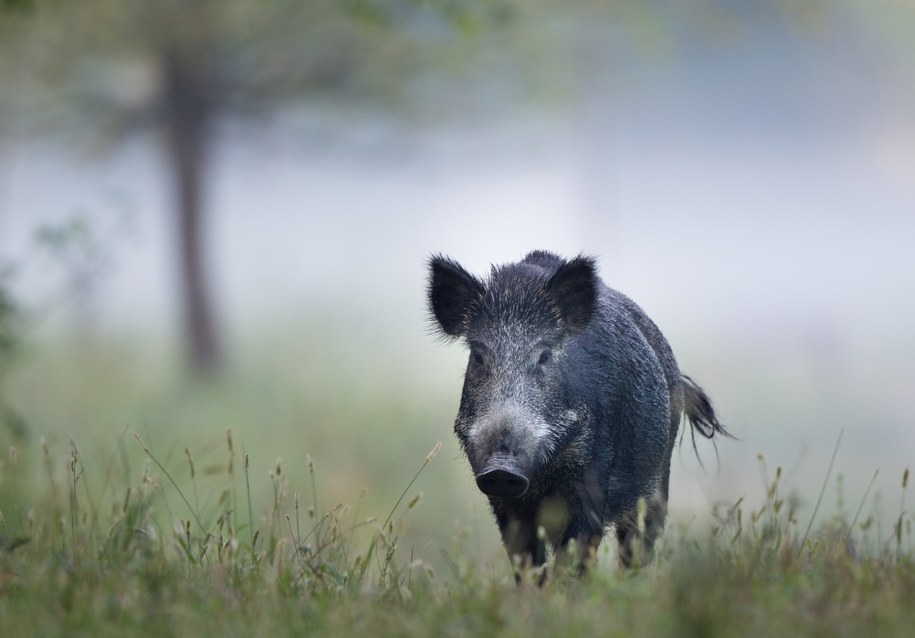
x,y
166,510
141,551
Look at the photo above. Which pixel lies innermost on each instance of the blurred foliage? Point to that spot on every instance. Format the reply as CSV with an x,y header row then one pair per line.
x,y
15,5
83,258
13,427
8,315
102,63
98,65
76,248
105,68
11,423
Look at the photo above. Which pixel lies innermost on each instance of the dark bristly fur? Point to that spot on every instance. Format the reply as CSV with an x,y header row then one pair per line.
x,y
571,405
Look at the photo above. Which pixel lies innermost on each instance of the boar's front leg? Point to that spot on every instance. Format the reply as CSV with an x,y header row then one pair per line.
x,y
519,535
586,532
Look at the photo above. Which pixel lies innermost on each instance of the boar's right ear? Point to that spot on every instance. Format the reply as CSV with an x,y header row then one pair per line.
x,y
452,290
574,290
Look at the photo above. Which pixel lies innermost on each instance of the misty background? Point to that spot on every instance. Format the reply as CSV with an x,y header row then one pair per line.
x,y
744,171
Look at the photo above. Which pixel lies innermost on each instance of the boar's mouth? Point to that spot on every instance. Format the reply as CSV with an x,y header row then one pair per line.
x,y
502,478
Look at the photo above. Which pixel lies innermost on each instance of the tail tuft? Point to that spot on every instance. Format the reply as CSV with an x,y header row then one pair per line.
x,y
700,414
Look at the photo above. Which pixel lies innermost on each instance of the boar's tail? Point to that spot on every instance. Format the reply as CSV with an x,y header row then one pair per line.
x,y
697,408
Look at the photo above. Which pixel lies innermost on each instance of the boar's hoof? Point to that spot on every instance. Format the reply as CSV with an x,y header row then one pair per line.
x,y
502,482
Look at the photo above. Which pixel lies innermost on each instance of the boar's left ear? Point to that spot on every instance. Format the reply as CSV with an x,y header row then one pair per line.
x,y
574,290
452,291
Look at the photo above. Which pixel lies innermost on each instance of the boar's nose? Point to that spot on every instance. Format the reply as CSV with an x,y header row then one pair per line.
x,y
501,481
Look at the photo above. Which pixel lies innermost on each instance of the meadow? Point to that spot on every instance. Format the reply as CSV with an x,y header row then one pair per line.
x,y
143,502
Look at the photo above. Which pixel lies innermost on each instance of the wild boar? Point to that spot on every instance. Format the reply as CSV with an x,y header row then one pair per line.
x,y
571,404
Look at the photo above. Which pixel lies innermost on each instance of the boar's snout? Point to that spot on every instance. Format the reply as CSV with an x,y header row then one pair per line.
x,y
502,479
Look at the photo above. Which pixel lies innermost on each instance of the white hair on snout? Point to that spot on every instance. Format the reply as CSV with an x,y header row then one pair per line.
x,y
527,421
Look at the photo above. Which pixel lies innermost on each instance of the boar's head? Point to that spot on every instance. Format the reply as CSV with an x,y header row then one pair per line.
x,y
520,405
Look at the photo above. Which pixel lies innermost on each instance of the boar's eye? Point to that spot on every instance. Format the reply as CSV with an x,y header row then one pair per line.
x,y
477,356
545,357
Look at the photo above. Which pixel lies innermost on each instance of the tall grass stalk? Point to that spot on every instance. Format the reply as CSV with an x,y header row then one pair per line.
x,y
172,481
901,519
851,526
251,520
76,472
382,535
816,507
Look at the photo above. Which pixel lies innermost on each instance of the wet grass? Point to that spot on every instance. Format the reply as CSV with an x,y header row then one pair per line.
x,y
304,496
142,551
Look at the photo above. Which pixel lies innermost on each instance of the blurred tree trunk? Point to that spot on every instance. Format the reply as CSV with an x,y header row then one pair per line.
x,y
187,110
